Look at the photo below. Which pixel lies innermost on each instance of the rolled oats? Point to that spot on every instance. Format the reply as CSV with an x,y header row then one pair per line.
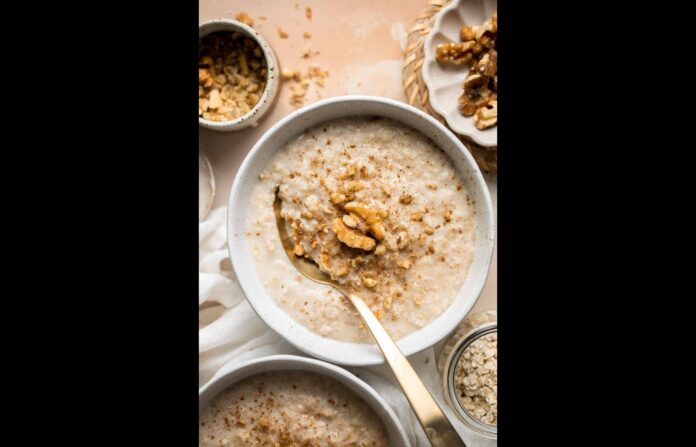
x,y
476,379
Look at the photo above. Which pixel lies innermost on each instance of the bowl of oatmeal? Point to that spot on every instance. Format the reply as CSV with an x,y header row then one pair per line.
x,y
237,75
292,400
383,198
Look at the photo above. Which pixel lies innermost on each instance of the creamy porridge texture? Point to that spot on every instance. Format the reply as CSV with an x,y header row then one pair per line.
x,y
290,408
378,206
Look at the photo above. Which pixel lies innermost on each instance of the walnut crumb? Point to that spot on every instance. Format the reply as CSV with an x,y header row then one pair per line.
x,y
282,33
245,18
369,282
405,199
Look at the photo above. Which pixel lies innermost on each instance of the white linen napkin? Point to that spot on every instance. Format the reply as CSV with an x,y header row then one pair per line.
x,y
236,334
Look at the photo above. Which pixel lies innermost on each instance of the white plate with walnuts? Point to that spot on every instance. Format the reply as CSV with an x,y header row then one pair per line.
x,y
460,68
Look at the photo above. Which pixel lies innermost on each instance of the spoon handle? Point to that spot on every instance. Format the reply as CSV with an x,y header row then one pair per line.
x,y
434,422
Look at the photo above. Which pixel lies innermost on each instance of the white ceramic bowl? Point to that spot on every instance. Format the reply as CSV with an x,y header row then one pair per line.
x,y
444,81
224,378
335,351
252,117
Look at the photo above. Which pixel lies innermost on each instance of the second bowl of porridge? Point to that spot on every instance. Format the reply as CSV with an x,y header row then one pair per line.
x,y
292,400
384,199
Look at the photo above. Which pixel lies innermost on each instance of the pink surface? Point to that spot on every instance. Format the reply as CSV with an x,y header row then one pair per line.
x,y
360,44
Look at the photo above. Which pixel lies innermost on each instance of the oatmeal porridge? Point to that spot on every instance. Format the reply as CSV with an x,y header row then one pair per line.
x,y
290,408
377,206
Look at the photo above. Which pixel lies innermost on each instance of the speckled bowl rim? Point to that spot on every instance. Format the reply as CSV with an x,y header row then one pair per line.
x,y
272,80
230,375
341,352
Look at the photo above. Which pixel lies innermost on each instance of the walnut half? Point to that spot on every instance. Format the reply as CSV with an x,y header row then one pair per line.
x,y
487,115
458,53
352,238
372,218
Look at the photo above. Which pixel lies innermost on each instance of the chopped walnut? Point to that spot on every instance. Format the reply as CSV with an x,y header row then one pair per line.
x,y
351,237
387,302
350,171
299,90
337,197
355,186
290,74
341,271
232,74
417,216
403,263
369,282
405,199
372,218
244,18
351,220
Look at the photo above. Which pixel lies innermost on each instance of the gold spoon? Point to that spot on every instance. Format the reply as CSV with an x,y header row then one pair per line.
x,y
436,426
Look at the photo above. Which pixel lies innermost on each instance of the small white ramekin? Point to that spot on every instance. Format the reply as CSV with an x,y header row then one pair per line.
x,y
252,117
233,374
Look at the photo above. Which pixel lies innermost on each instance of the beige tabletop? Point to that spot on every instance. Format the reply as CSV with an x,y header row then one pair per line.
x,y
359,42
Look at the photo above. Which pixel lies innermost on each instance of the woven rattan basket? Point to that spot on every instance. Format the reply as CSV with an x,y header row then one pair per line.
x,y
417,92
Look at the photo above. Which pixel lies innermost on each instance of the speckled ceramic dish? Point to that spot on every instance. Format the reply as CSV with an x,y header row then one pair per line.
x,y
444,82
234,373
252,117
349,353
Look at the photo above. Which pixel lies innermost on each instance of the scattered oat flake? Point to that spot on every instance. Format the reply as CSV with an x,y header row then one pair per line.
x,y
282,34
308,13
245,18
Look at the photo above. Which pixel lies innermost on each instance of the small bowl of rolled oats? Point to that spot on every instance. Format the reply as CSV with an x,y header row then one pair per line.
x,y
471,379
237,75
